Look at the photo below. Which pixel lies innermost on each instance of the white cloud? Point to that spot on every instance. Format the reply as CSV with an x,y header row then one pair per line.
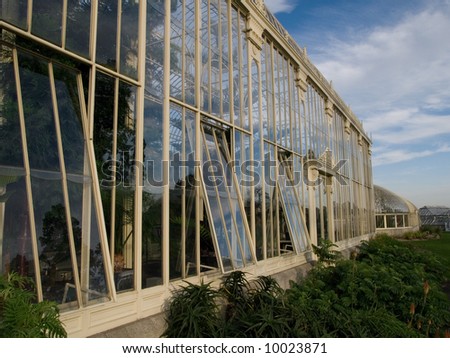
x,y
280,5
396,80
401,155
393,64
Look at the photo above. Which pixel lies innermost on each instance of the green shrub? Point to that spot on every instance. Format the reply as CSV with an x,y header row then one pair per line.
x,y
193,312
326,254
388,289
255,309
21,316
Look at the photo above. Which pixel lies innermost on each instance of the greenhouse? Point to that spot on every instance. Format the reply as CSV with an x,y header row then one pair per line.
x,y
435,216
144,143
394,214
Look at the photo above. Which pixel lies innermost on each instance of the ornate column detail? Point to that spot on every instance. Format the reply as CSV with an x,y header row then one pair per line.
x,y
347,127
254,35
329,110
300,82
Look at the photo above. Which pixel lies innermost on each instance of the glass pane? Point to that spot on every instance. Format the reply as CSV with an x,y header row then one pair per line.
x,y
15,12
94,288
176,51
107,33
294,217
205,45
226,214
152,195
53,237
390,219
225,79
15,235
244,74
129,38
183,258
190,57
78,26
47,19
70,120
10,139
103,141
271,200
380,221
220,220
155,49
400,222
38,112
244,169
124,190
237,73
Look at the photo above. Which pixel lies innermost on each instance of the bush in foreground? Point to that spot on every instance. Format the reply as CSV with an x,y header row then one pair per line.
x,y
21,316
387,290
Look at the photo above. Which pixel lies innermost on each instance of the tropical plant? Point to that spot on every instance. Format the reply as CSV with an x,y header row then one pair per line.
x,y
21,316
325,252
387,290
255,308
194,312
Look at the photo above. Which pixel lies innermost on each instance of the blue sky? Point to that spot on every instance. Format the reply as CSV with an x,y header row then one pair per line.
x,y
390,61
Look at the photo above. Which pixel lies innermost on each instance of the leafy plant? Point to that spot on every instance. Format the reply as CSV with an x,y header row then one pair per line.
x,y
193,312
21,316
325,252
387,290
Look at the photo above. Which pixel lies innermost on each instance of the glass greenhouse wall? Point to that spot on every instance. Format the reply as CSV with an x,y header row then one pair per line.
x,y
147,142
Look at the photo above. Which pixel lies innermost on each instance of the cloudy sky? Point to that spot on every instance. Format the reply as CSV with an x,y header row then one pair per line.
x,y
390,61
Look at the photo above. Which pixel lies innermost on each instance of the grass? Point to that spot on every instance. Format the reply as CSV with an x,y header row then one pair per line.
x,y
440,247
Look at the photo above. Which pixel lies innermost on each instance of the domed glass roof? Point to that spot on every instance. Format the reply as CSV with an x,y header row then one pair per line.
x,y
388,202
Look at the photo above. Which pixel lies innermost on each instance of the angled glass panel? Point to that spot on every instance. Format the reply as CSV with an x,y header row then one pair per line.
x,y
295,219
233,192
47,19
214,192
230,223
52,229
183,190
114,142
244,168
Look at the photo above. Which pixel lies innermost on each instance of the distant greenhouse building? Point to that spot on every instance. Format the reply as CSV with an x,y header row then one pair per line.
x,y
394,214
437,216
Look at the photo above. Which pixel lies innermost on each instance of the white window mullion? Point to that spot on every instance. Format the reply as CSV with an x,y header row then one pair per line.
x,y
26,163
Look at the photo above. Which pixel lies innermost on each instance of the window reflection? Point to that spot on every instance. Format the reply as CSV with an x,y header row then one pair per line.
x,y
15,12
59,184
152,195
107,37
114,141
47,19
78,26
